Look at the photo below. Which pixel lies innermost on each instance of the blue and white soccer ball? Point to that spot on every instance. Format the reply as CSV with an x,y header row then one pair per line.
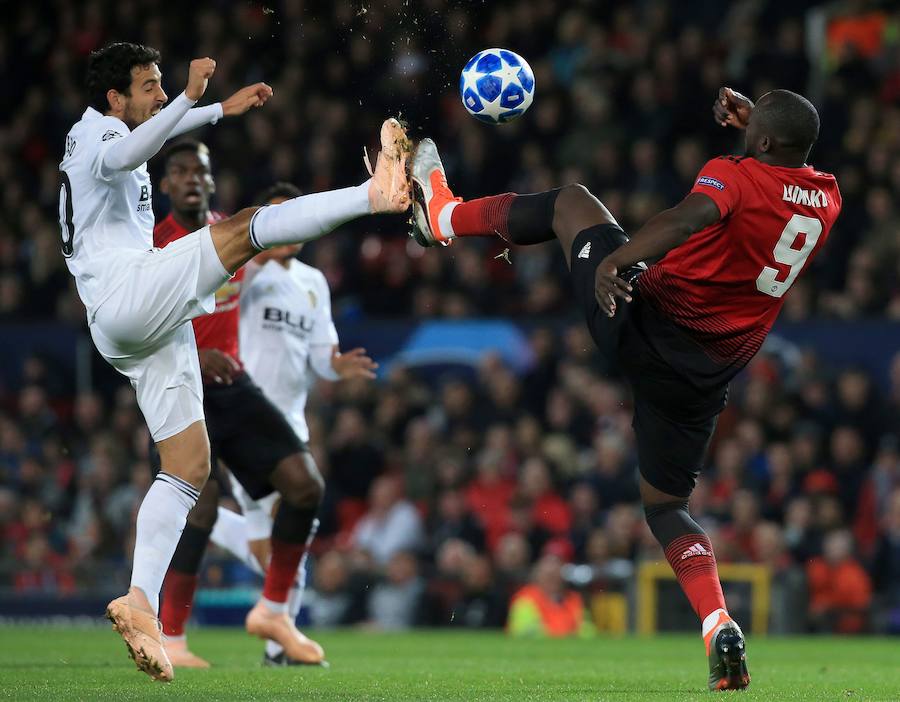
x,y
496,86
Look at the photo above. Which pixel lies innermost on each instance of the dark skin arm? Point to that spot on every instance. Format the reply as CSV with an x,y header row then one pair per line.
x,y
655,239
673,227
217,367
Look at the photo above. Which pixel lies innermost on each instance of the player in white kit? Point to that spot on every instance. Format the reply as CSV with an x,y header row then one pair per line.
x,y
139,299
288,340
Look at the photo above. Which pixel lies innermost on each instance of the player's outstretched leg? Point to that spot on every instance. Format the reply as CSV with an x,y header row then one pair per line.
x,y
440,217
690,553
239,238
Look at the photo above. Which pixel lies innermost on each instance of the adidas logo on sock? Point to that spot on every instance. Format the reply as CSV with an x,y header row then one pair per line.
x,y
585,251
695,550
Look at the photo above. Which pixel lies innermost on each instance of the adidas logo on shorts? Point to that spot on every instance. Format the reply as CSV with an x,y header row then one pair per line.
x,y
585,251
695,550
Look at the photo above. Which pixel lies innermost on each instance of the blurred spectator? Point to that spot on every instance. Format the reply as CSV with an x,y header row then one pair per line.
x,y
840,590
547,607
623,107
886,565
391,525
395,603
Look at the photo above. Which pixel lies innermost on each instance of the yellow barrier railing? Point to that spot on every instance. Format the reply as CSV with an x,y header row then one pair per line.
x,y
759,576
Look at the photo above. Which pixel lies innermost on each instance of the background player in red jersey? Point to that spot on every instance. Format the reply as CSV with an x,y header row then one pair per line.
x,y
246,431
725,257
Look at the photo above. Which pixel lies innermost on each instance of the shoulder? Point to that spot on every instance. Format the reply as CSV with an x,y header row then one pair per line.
x,y
107,128
308,274
719,172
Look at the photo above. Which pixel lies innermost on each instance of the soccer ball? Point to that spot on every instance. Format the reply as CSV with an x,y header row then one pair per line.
x,y
496,86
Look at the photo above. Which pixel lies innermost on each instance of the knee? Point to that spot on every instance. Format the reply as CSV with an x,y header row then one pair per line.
x,y
299,482
577,209
234,227
573,200
241,219
195,469
656,509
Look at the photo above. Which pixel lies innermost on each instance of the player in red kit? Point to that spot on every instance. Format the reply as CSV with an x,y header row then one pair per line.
x,y
681,328
246,432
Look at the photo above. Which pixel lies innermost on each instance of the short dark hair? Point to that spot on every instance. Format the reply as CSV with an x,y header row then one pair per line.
x,y
280,189
788,118
192,145
109,68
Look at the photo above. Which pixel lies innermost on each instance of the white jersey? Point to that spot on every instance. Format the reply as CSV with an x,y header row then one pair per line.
x,y
101,215
105,211
285,312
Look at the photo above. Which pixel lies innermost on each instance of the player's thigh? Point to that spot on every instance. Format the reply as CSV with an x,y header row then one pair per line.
x,y
251,435
168,388
163,289
589,248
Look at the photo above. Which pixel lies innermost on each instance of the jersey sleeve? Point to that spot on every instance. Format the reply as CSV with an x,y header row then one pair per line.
x,y
138,146
109,132
720,180
324,331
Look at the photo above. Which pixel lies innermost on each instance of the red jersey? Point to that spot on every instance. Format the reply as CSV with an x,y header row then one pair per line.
x,y
726,284
218,330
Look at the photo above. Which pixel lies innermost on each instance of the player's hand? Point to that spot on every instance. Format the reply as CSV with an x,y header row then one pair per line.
x,y
353,364
608,286
732,108
252,96
217,367
199,73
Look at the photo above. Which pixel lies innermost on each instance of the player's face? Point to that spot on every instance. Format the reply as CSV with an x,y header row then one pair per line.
x,y
189,182
146,96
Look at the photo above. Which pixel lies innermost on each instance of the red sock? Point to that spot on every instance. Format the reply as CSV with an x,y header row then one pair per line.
x,y
282,570
177,602
486,216
691,557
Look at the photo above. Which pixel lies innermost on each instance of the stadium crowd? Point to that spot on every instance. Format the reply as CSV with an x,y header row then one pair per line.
x,y
443,495
624,91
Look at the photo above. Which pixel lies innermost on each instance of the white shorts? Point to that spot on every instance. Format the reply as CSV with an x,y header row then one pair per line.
x,y
143,328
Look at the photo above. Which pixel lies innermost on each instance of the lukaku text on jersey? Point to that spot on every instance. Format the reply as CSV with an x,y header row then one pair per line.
x,y
726,284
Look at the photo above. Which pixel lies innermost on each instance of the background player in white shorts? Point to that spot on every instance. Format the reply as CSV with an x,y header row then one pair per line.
x,y
288,340
139,300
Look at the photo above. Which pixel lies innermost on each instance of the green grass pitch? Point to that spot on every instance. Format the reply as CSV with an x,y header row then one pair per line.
x,y
91,664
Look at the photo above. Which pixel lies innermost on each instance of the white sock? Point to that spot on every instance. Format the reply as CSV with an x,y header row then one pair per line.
x,y
230,533
712,621
160,521
444,220
307,217
275,607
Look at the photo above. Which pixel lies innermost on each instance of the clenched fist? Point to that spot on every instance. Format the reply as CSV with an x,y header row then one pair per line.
x,y
732,108
200,72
